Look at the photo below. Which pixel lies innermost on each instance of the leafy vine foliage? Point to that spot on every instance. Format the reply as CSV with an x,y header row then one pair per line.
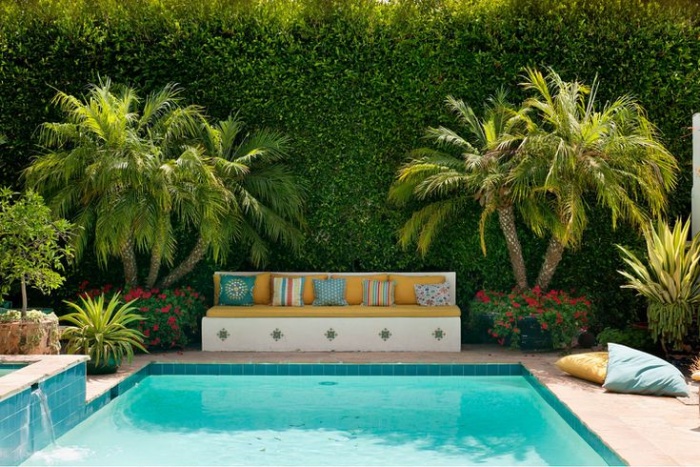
x,y
354,85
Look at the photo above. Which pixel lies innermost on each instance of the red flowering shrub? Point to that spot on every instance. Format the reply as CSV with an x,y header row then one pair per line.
x,y
170,316
556,311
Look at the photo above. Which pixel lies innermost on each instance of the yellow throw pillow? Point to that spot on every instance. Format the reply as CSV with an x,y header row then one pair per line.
x,y
591,366
308,285
353,286
405,293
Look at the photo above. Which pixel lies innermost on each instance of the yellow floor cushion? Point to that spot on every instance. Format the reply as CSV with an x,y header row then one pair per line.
x,y
405,293
591,366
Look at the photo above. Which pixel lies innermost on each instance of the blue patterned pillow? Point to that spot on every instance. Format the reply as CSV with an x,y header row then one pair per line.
x,y
236,290
329,292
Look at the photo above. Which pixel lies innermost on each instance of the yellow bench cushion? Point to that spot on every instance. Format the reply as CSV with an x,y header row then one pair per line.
x,y
350,311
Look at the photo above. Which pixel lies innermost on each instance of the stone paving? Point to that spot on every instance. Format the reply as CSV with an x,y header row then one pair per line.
x,y
643,430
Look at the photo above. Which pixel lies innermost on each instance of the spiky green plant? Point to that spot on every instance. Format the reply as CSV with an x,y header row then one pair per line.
x,y
101,330
668,279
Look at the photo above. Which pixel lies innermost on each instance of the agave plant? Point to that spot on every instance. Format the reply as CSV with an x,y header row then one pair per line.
x,y
668,280
101,330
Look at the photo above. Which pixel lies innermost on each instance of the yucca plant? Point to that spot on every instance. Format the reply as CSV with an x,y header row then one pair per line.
x,y
668,280
101,330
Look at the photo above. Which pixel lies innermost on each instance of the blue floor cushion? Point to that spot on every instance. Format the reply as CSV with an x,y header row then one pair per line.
x,y
636,372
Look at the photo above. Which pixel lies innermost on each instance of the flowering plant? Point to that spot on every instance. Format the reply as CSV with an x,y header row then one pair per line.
x,y
563,315
170,316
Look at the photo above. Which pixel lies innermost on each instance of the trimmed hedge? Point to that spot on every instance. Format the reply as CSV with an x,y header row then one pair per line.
x,y
355,83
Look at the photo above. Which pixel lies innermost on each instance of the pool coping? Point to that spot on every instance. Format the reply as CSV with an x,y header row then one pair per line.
x,y
642,430
39,368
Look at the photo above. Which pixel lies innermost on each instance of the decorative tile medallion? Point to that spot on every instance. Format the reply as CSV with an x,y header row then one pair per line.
x,y
277,334
439,334
223,334
385,334
331,334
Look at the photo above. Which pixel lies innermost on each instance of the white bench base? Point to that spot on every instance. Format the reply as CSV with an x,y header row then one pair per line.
x,y
381,334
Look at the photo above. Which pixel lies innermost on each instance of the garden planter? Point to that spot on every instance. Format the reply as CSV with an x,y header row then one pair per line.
x,y
533,337
29,337
104,368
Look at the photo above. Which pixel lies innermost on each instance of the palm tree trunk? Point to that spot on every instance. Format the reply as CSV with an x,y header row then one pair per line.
x,y
552,257
154,268
506,218
129,262
187,265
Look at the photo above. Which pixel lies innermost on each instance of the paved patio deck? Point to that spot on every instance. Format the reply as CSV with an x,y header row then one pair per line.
x,y
643,430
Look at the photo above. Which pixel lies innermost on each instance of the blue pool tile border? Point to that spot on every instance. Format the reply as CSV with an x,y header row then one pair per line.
x,y
327,369
573,421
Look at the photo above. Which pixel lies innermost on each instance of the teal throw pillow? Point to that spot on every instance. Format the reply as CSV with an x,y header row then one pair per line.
x,y
236,290
329,292
636,372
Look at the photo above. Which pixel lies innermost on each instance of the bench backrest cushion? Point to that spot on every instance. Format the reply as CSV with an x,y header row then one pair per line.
x,y
405,293
262,292
353,285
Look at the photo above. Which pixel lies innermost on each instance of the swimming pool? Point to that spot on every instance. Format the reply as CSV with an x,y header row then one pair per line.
x,y
7,368
331,414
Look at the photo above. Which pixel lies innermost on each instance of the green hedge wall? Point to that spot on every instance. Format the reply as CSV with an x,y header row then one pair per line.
x,y
355,83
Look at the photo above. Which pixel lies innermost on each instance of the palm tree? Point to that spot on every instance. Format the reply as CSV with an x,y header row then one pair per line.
x,y
576,153
481,170
264,198
130,173
104,165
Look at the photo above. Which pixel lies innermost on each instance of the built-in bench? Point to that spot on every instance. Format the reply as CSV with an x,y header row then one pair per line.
x,y
404,326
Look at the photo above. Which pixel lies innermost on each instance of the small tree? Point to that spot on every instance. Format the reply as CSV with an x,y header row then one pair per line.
x,y
32,244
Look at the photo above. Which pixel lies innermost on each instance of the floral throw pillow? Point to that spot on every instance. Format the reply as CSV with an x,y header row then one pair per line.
x,y
329,292
433,294
236,290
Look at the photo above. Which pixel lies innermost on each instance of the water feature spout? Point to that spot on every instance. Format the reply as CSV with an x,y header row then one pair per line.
x,y
41,424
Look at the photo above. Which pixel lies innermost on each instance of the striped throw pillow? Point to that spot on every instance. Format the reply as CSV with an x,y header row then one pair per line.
x,y
378,293
288,291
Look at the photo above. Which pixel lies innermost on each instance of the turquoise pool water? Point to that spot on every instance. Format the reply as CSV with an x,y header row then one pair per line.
x,y
7,368
324,420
